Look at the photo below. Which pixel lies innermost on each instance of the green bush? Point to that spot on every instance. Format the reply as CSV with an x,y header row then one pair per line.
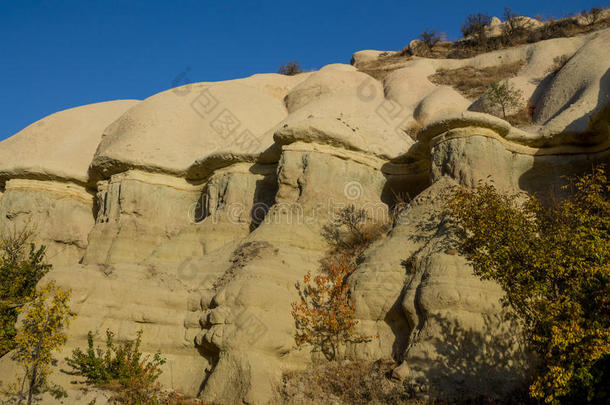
x,y
41,332
121,367
22,265
553,263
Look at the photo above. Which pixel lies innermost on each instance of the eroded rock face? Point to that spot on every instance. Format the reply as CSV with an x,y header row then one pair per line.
x,y
579,89
58,213
197,237
50,193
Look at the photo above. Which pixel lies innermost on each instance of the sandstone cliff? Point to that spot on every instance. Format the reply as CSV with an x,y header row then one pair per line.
x,y
192,214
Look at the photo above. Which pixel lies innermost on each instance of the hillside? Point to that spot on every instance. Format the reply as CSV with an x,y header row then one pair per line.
x,y
192,214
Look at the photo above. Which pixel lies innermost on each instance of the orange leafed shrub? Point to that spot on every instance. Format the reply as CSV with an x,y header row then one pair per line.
x,y
324,316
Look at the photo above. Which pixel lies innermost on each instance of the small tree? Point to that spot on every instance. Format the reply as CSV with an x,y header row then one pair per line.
x,y
22,265
290,68
504,95
430,38
324,316
474,26
42,331
513,26
553,263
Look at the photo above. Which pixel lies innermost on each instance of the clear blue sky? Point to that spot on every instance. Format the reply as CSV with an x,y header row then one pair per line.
x,y
60,54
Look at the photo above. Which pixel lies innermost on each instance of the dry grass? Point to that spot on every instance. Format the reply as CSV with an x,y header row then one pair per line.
x,y
385,64
359,382
412,129
562,28
522,118
244,254
120,395
346,382
472,82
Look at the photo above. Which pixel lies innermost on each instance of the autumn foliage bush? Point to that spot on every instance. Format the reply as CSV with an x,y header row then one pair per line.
x,y
324,316
553,263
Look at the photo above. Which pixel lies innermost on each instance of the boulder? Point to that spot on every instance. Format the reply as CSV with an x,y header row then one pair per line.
x,y
71,135
441,102
168,131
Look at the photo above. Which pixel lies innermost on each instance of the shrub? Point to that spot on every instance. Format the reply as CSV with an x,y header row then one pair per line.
x,y
351,232
504,95
45,317
120,367
324,317
474,26
430,38
290,68
554,266
22,265
400,203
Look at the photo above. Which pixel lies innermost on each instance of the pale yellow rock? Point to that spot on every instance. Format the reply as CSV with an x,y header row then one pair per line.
x,y
409,85
253,331
198,238
373,125
441,102
61,145
579,90
58,214
168,131
331,81
367,55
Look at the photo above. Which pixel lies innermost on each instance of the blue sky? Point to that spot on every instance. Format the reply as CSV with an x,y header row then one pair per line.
x,y
60,54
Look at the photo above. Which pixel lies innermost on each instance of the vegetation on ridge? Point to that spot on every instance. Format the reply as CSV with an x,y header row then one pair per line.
x,y
516,30
290,68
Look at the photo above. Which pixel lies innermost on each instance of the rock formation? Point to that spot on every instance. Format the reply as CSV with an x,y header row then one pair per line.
x,y
192,214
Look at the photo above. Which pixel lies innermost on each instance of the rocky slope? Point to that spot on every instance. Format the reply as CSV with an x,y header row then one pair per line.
x,y
192,214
